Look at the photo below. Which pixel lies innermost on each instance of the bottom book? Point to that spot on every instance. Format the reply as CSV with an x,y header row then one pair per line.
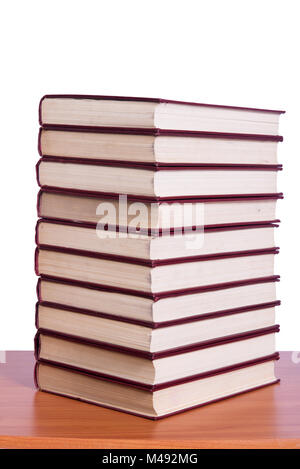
x,y
172,399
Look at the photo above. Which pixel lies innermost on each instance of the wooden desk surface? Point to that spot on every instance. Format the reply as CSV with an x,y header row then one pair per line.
x,y
266,418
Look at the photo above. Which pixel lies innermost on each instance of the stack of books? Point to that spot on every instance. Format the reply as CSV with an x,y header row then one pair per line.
x,y
155,251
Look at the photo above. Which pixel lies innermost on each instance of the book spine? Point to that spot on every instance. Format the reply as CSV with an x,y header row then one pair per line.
x,y
36,261
35,376
38,203
38,289
37,345
40,142
36,316
37,172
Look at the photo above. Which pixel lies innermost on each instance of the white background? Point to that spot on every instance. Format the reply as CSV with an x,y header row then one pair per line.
x,y
243,53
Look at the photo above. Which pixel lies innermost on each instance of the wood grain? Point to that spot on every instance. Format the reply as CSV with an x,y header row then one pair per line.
x,y
266,418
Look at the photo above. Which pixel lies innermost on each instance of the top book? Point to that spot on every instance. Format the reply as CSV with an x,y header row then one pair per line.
x,y
154,116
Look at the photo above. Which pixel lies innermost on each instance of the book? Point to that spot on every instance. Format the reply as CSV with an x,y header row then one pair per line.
x,y
152,113
85,325
155,368
179,149
87,237
153,277
158,182
84,207
137,400
162,310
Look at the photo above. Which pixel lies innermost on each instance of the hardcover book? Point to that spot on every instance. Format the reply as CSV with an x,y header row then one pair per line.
x,y
88,207
75,323
87,237
154,369
153,277
158,182
135,399
153,113
179,149
159,310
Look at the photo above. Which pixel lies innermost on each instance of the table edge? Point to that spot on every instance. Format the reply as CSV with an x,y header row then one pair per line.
x,y
23,442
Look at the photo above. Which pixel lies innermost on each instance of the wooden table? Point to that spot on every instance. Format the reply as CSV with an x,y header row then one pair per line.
x,y
266,418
